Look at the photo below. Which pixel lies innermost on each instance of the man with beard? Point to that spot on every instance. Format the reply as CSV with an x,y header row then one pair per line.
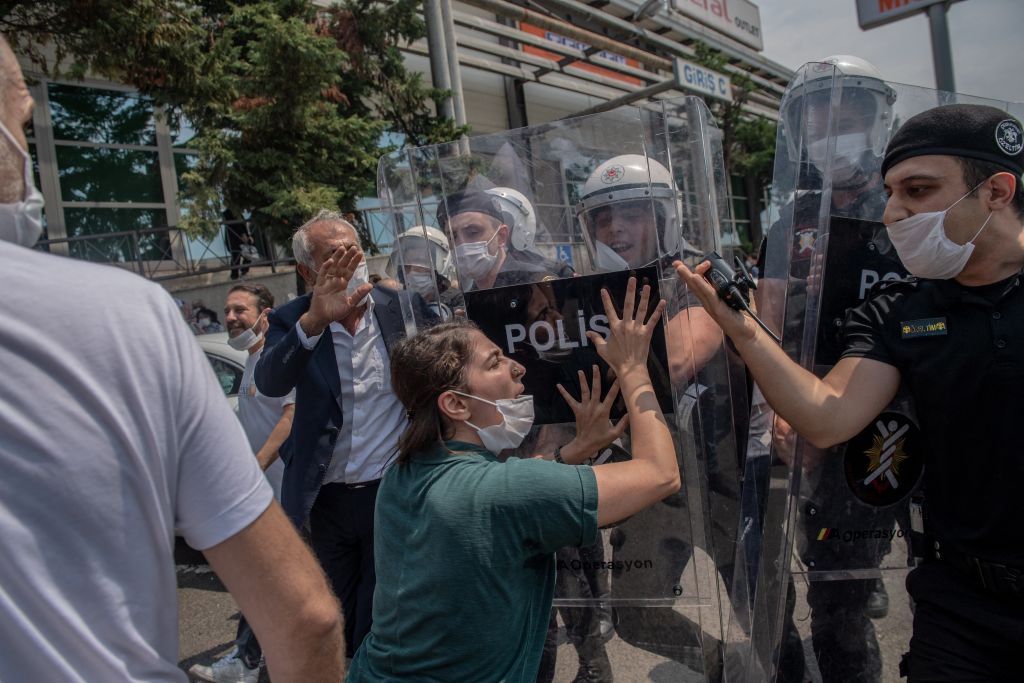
x,y
267,422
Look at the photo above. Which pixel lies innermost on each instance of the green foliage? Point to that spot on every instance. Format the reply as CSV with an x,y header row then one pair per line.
x,y
291,101
749,141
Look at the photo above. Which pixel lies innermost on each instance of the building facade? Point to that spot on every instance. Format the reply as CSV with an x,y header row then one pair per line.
x,y
110,165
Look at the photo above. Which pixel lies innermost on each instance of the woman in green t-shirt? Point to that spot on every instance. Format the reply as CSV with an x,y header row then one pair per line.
x,y
465,542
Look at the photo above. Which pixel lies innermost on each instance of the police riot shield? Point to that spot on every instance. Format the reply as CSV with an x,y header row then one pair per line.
x,y
836,523
539,220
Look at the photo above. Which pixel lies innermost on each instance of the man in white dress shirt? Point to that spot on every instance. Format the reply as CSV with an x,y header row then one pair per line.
x,y
331,347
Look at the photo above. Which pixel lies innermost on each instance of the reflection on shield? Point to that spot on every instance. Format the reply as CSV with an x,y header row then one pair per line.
x,y
628,190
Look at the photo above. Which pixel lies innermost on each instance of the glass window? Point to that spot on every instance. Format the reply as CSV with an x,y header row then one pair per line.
x,y
35,178
229,376
740,209
94,223
202,248
182,163
102,116
90,174
182,130
35,163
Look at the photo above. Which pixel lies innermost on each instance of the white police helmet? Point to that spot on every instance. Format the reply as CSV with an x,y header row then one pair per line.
x,y
519,216
421,246
840,81
629,178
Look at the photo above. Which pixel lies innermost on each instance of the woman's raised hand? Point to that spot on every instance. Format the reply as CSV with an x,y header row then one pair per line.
x,y
594,428
629,339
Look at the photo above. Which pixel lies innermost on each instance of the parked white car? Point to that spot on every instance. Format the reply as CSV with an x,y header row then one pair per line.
x,y
228,364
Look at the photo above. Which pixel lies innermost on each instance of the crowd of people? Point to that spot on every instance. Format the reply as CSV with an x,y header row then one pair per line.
x,y
383,508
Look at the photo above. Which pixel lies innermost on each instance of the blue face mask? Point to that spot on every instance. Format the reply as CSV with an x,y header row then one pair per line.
x,y
475,259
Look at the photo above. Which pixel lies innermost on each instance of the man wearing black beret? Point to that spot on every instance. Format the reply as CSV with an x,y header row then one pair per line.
x,y
483,254
954,335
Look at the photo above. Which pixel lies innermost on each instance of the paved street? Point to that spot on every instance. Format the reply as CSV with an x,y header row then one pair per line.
x,y
208,618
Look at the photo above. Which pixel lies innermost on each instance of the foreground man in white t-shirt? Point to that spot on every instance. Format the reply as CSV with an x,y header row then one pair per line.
x,y
114,432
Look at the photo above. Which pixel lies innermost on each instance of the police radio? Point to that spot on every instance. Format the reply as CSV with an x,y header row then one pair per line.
x,y
733,287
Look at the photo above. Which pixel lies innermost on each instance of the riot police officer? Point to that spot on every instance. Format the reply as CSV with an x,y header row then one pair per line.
x,y
842,634
631,217
421,260
952,333
485,255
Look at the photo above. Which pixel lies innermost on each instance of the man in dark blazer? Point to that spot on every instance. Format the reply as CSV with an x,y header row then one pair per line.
x,y
332,346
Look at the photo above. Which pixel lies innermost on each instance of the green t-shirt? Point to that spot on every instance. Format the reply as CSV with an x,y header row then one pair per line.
x,y
464,547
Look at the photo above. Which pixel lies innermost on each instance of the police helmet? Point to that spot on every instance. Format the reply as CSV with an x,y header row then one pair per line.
x,y
519,216
421,246
629,178
840,83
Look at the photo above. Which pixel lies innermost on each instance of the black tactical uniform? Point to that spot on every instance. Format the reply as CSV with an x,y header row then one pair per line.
x,y
960,351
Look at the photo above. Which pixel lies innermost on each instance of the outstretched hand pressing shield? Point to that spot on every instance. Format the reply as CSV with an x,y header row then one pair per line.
x,y
625,488
629,340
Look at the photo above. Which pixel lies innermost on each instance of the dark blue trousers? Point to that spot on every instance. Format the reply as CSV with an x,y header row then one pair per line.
x,y
341,532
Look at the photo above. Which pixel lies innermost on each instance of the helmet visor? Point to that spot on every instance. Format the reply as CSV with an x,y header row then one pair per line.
x,y
624,234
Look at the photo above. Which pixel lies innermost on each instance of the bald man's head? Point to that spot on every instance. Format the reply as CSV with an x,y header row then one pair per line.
x,y
15,111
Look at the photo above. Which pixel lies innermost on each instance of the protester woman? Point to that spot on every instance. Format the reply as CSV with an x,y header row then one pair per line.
x,y
465,542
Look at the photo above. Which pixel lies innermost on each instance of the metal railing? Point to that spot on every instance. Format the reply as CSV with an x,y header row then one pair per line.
x,y
166,253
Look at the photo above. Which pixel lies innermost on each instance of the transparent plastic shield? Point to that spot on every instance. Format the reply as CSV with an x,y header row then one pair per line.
x,y
835,523
661,580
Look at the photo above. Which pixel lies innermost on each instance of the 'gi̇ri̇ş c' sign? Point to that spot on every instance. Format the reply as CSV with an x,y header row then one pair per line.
x,y
543,325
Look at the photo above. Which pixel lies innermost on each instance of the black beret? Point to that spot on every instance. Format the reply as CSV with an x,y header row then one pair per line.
x,y
974,131
468,199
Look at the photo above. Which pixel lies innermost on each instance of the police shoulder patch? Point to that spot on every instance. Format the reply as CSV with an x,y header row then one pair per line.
x,y
884,463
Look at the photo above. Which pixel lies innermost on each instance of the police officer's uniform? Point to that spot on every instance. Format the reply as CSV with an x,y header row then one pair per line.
x,y
960,351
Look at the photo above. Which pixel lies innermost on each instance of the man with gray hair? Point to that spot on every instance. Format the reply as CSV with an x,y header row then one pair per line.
x,y
331,346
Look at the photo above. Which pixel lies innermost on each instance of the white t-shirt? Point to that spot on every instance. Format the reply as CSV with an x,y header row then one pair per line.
x,y
259,415
113,432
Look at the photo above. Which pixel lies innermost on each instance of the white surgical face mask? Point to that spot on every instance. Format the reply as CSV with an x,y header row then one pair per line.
x,y
22,222
248,338
846,158
606,260
517,418
421,283
360,276
924,248
475,259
